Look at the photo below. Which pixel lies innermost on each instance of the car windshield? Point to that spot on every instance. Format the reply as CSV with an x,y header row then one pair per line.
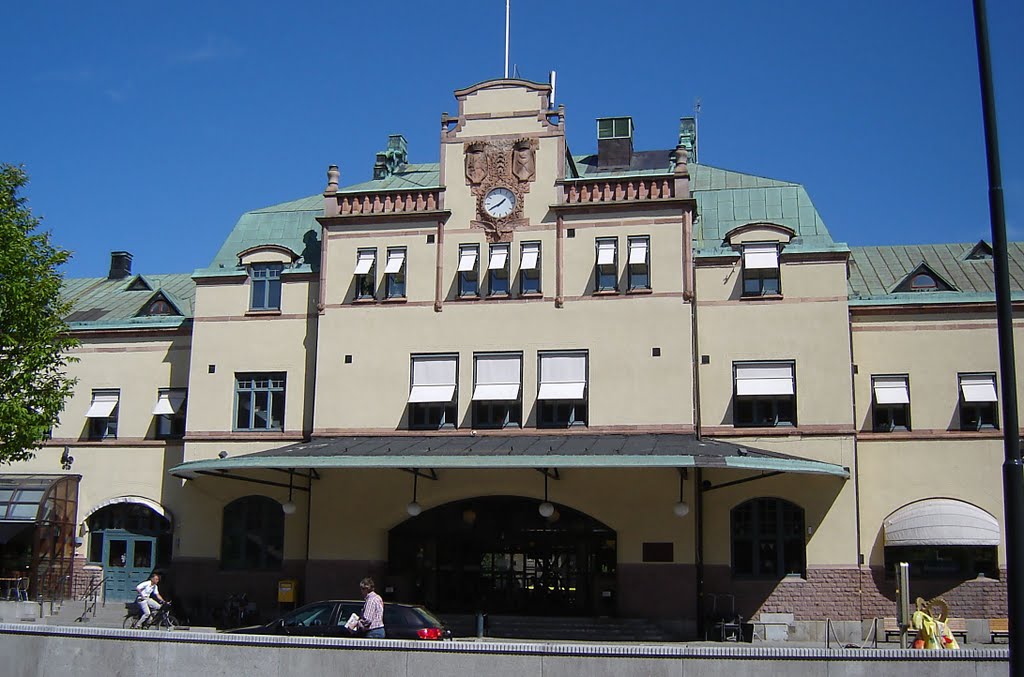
x,y
318,614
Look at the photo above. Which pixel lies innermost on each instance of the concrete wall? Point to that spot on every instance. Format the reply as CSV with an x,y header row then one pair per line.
x,y
37,652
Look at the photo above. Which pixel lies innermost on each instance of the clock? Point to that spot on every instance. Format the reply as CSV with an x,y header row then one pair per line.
x,y
499,202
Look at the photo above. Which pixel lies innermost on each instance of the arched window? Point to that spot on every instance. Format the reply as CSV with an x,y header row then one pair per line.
x,y
768,539
253,534
923,282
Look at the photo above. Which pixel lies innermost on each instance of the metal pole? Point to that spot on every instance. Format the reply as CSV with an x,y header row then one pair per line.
x,y
506,36
1013,479
698,516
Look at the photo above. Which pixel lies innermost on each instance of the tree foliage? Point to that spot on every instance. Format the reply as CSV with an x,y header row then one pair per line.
x,y
34,339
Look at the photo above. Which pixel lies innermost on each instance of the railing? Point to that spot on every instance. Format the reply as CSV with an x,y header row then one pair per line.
x,y
91,597
389,203
617,190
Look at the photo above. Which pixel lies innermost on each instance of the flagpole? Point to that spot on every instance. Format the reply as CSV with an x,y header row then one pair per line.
x,y
506,36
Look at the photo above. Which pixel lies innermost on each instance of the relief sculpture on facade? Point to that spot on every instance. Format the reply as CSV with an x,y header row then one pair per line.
x,y
500,163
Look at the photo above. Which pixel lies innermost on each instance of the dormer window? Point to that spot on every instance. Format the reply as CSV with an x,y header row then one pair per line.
x,y
761,269
266,286
159,307
923,279
614,128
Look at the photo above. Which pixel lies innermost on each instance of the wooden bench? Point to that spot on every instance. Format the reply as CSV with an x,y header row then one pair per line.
x,y
890,627
956,626
999,627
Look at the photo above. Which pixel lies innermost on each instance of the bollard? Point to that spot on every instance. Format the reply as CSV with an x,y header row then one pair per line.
x,y
479,624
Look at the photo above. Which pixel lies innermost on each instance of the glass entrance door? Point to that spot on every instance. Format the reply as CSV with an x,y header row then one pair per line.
x,y
128,559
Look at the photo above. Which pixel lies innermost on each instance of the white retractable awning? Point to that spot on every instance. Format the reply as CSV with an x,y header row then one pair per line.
x,y
467,260
395,262
605,253
563,376
637,252
364,262
169,402
499,257
940,521
102,405
433,379
891,390
497,377
979,388
531,256
757,256
766,378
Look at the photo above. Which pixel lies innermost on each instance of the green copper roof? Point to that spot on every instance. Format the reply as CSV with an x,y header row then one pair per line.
x,y
408,177
289,224
515,451
875,272
727,199
100,303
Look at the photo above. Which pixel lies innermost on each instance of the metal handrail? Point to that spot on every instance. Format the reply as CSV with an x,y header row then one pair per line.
x,y
91,597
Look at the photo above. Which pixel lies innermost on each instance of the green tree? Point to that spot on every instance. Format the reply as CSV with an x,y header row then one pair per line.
x,y
34,338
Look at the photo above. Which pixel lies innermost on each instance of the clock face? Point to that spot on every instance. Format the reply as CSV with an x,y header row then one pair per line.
x,y
499,202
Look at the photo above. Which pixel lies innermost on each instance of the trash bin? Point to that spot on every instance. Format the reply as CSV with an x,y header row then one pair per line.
x,y
287,591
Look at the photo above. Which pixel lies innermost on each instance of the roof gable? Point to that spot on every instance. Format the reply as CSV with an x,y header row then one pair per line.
x,y
923,279
981,252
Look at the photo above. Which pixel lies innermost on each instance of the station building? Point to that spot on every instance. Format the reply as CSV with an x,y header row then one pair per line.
x,y
530,382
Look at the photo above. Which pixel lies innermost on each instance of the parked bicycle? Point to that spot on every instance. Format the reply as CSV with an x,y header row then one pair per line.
x,y
161,619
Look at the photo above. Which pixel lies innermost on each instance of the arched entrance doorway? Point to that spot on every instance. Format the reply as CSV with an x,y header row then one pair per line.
x,y
129,540
497,554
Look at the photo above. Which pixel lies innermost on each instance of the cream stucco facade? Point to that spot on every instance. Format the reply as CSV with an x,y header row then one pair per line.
x,y
697,321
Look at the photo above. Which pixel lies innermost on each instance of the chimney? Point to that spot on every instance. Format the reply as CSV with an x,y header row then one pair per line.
x,y
614,142
392,158
120,265
688,137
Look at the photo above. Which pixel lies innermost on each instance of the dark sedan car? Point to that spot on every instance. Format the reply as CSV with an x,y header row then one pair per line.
x,y
328,618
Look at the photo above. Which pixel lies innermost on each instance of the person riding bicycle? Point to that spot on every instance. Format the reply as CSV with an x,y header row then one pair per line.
x,y
148,599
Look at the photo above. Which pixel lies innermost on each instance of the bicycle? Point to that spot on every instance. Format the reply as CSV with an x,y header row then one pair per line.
x,y
161,619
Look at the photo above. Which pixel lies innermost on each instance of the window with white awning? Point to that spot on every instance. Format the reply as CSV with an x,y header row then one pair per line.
x,y
467,258
563,376
531,256
365,258
433,378
978,387
764,378
760,256
396,260
168,402
891,389
498,377
104,402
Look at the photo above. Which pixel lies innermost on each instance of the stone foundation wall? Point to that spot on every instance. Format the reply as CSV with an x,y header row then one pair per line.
x,y
850,594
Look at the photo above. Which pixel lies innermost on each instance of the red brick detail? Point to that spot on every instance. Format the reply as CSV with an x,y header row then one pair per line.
x,y
849,594
82,579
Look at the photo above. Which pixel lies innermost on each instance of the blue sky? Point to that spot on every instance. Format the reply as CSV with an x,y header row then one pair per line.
x,y
152,126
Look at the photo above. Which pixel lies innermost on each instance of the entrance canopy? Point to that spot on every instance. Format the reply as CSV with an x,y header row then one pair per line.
x,y
941,521
22,497
514,451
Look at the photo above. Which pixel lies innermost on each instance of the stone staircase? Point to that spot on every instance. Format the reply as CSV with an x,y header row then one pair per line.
x,y
564,628
106,615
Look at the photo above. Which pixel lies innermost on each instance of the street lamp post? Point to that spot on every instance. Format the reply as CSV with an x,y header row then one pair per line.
x,y
1013,477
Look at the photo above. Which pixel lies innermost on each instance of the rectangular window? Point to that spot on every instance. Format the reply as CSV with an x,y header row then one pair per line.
x,y
469,278
890,403
170,413
497,391
765,394
394,273
607,275
266,286
944,562
614,128
433,392
366,274
761,269
562,396
639,262
529,269
259,401
102,414
498,271
979,401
